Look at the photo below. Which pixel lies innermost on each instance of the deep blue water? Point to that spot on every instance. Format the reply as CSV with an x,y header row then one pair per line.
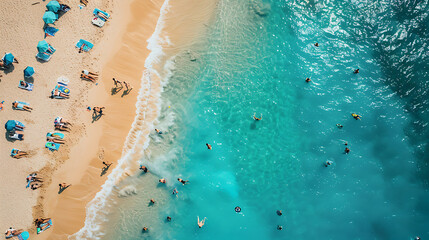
x,y
255,59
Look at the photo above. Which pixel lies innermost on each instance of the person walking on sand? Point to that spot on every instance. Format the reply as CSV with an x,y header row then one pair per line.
x,y
116,82
98,110
128,86
201,223
209,146
182,181
107,164
63,187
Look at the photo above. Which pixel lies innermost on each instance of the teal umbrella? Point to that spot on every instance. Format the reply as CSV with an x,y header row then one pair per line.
x,y
49,17
28,71
53,6
42,46
8,58
10,125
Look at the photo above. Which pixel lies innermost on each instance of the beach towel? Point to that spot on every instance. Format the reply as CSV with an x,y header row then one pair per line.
x,y
61,88
55,135
14,152
17,136
44,56
52,146
50,31
86,45
39,229
98,21
103,15
29,86
23,236
20,105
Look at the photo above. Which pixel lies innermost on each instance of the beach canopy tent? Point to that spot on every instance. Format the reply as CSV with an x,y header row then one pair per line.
x,y
53,6
8,58
42,46
10,125
49,17
28,71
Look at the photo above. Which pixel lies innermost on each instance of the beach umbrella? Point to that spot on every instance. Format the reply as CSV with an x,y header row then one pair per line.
x,y
28,71
42,46
10,125
53,6
8,58
49,17
25,235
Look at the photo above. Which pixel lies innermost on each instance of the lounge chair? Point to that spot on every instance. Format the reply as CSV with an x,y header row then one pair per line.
x,y
52,146
39,228
28,86
85,45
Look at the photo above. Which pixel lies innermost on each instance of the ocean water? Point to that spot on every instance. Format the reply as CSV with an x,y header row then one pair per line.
x,y
254,60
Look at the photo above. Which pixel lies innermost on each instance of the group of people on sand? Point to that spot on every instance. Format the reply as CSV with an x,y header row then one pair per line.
x,y
118,84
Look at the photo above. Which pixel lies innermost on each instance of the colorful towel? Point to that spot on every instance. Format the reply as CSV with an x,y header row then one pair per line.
x,y
103,15
52,146
29,86
86,45
50,31
55,135
39,230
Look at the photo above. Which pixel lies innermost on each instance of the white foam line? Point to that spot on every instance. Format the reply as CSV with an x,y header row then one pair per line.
x,y
137,139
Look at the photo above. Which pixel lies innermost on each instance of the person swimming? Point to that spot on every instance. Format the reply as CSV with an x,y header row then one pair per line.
x,y
143,168
175,192
339,126
279,227
255,118
182,181
316,44
158,131
307,80
209,146
169,218
279,212
356,71
347,150
356,116
328,163
201,223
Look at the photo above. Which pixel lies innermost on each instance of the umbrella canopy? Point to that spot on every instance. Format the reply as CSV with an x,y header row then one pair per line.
x,y
28,71
25,235
53,6
42,46
10,125
8,58
49,17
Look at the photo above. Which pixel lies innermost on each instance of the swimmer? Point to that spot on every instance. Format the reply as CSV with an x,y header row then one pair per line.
x,y
158,131
417,238
347,150
145,229
307,80
279,227
201,223
143,168
279,212
355,116
162,180
182,181
346,143
152,201
175,192
316,44
237,209
255,118
339,126
169,218
209,146
328,163
356,71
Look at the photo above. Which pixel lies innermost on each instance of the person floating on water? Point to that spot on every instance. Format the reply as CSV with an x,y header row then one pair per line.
x,y
175,192
209,146
356,71
182,181
316,44
307,80
145,229
279,227
152,201
279,212
255,118
169,218
347,150
201,223
339,126
143,168
158,131
162,180
328,163
355,116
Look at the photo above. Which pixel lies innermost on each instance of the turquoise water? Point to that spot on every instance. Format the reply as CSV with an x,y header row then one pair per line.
x,y
254,60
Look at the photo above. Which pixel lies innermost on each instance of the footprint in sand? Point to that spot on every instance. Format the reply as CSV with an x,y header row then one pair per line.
x,y
101,154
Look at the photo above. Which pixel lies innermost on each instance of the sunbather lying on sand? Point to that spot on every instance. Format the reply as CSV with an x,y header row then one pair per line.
x,y
35,186
20,105
41,221
60,141
86,72
102,15
23,84
62,127
34,178
87,77
19,154
12,232
61,121
60,94
17,135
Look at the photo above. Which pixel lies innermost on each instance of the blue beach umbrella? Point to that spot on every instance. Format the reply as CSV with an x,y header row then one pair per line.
x,y
53,6
42,46
10,125
8,58
49,17
25,235
28,71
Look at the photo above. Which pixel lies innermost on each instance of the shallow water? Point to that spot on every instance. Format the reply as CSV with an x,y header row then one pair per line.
x,y
255,60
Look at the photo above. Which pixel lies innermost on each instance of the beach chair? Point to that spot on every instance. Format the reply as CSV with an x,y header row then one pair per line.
x,y
86,45
29,86
20,105
52,146
39,229
55,135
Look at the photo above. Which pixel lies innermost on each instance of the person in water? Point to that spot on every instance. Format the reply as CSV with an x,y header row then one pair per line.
x,y
143,168
209,146
201,223
328,163
316,44
145,229
169,218
347,150
162,180
356,116
279,227
339,126
158,131
356,71
175,192
152,201
255,118
307,80
182,181
279,212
